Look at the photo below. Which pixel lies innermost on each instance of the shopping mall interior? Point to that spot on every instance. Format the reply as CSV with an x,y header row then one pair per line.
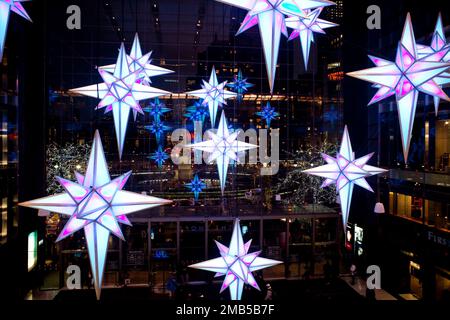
x,y
293,97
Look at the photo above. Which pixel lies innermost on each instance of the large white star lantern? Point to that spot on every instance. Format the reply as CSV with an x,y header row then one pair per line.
x,y
142,64
214,95
6,6
270,15
345,171
96,204
236,264
120,93
305,27
405,78
223,147
438,43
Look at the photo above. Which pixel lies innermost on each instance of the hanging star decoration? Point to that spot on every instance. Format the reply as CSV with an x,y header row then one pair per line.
x,y
6,6
405,78
268,113
236,264
157,109
160,157
196,186
120,93
158,128
197,112
239,85
438,43
270,15
96,204
305,27
223,148
345,171
213,94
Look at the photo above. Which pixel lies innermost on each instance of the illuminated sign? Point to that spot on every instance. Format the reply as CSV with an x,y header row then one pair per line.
x,y
32,250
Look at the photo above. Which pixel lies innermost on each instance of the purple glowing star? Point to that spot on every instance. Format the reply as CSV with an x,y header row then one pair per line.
x,y
239,85
438,43
236,264
345,171
304,28
6,6
270,15
96,204
120,93
405,78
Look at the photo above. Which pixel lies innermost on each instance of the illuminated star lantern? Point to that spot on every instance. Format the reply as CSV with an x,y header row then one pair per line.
x,y
213,95
239,85
236,264
304,28
405,78
222,147
268,113
196,186
345,171
438,43
120,93
157,109
197,112
157,128
270,16
159,157
141,64
6,6
96,204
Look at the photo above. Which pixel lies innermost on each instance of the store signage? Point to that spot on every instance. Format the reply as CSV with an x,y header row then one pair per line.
x,y
440,240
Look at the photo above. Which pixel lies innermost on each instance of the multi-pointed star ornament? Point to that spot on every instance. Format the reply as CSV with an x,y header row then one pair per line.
x,y
268,113
120,93
223,147
159,156
236,264
158,128
213,94
305,27
196,186
405,78
157,109
270,15
6,6
96,204
345,171
197,112
438,43
239,85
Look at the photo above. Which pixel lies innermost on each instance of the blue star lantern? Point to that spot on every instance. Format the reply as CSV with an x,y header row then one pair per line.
x,y
239,85
196,185
157,109
157,128
160,156
197,112
268,113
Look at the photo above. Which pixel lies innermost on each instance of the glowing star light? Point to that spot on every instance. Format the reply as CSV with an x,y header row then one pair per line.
x,y
197,112
96,204
304,28
345,171
236,264
196,185
222,147
270,16
159,157
6,6
239,85
157,109
120,93
438,43
405,78
268,113
157,128
213,95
